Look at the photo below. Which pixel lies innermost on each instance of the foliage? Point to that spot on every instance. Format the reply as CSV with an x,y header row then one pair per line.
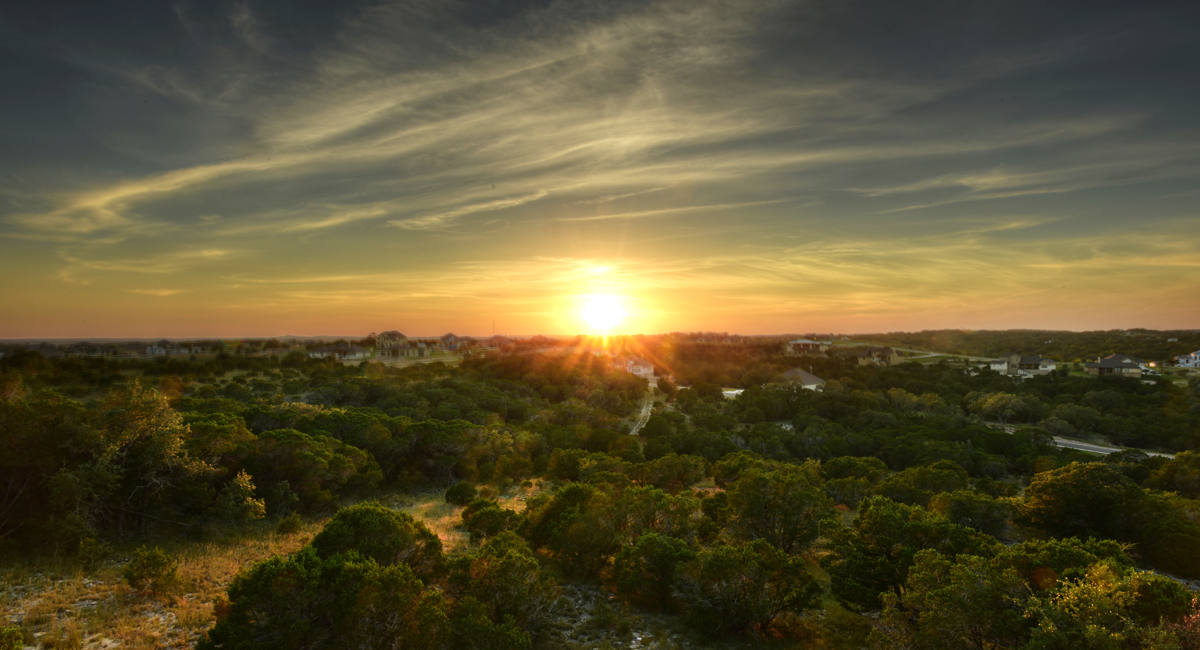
x,y
288,525
314,601
152,570
485,518
646,570
507,580
384,536
783,507
237,503
875,553
461,493
973,510
968,603
730,589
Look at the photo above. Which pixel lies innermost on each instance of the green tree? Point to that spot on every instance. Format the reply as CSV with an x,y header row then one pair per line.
x,y
646,571
1080,500
507,580
237,503
973,510
1180,474
875,553
784,506
307,601
461,493
917,485
385,536
968,603
731,589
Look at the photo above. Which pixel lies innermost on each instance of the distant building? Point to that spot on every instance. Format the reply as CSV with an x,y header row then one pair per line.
x,y
1023,366
1188,360
1121,365
804,378
346,351
636,366
407,350
165,348
878,357
389,339
496,341
807,346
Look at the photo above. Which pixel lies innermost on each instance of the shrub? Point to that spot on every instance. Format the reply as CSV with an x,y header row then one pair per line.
x,y
11,639
646,570
288,525
152,571
347,600
237,504
460,494
730,589
385,536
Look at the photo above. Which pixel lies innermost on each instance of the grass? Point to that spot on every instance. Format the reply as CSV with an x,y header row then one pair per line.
x,y
61,604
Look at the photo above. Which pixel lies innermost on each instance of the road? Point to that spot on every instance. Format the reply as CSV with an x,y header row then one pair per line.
x,y
1100,449
643,418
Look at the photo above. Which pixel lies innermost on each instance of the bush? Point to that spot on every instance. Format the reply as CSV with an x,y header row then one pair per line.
x,y
152,571
460,494
288,525
11,639
383,535
731,589
347,600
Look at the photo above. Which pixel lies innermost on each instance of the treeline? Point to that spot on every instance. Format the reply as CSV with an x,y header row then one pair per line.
x,y
138,461
743,559
1061,346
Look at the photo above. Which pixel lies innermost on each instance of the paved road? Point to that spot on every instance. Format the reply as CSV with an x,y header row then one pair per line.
x,y
1100,449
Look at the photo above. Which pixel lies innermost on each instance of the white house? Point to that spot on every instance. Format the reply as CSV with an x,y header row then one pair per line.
x,y
807,346
1023,366
1188,360
805,379
637,366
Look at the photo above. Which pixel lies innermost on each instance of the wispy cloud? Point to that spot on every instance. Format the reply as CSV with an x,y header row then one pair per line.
x,y
777,158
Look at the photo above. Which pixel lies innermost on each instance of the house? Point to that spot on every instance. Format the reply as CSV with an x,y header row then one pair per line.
x,y
1121,365
344,351
390,338
806,346
878,357
450,341
1023,366
406,350
165,348
637,366
1188,360
804,378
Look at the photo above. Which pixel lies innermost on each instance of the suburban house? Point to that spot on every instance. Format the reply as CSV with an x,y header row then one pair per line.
x,y
1188,360
878,357
345,351
450,341
806,346
390,338
1122,365
637,366
165,348
403,350
804,378
1022,366
496,341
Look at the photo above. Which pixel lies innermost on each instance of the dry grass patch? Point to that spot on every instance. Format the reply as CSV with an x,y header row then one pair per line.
x,y
60,605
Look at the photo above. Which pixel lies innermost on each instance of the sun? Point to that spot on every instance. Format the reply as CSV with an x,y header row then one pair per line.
x,y
603,313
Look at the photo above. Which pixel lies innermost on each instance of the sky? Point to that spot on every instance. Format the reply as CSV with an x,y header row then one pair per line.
x,y
264,168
